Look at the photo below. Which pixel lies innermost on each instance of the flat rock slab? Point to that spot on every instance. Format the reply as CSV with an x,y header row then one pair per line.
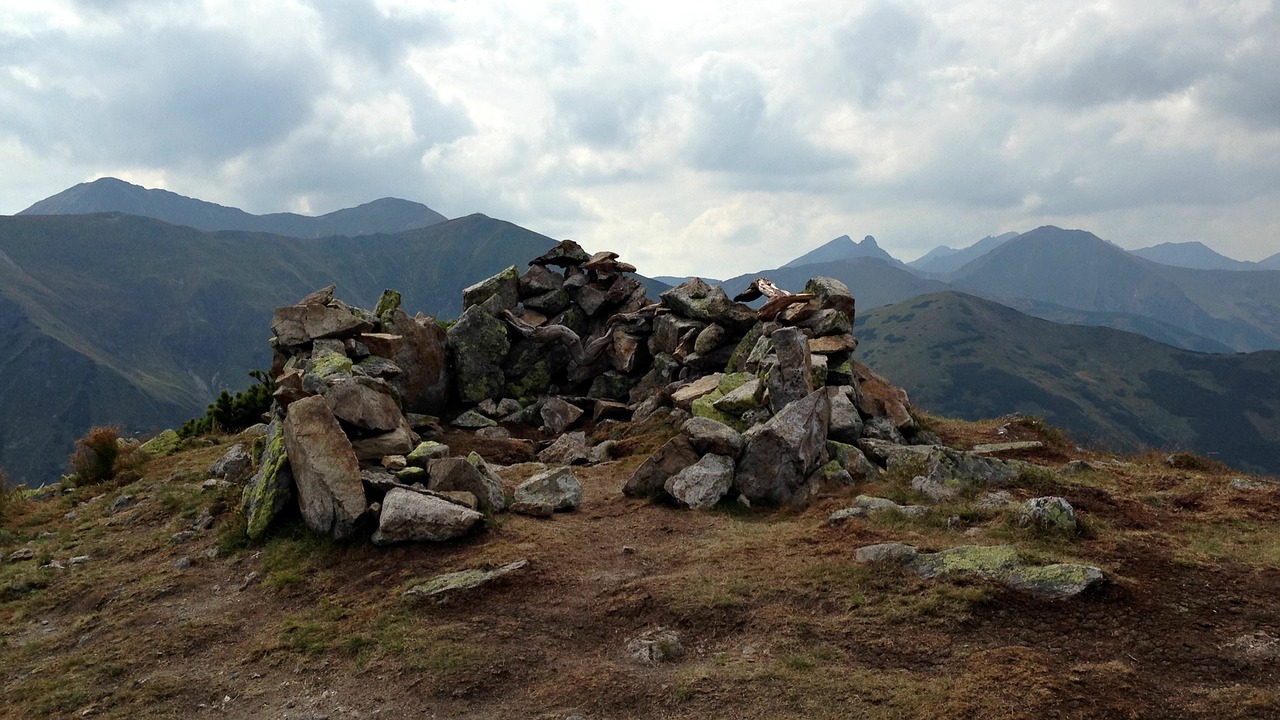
x,y
992,448
409,516
443,585
1000,563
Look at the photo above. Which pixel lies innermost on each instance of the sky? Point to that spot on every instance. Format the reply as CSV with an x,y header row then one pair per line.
x,y
710,138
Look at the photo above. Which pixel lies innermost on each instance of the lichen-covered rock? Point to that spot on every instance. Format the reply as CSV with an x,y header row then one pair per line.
x,y
165,443
497,293
685,395
472,420
695,299
1052,514
746,397
477,345
893,553
557,488
426,452
865,506
941,472
326,472
655,647
270,490
449,583
409,516
709,436
1000,563
648,479
782,454
853,460
701,485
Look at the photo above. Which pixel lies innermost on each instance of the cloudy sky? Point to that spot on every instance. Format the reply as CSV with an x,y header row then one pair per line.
x,y
692,137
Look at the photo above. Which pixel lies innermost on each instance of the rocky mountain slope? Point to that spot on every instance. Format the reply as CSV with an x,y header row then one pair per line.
x,y
387,215
1194,255
942,260
844,248
962,356
163,317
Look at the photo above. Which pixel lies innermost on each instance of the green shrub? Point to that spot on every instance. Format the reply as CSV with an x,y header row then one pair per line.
x,y
233,413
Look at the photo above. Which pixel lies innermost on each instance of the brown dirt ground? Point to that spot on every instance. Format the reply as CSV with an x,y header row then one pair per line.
x,y
776,618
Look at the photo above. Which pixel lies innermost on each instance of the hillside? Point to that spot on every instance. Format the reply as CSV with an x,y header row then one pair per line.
x,y
125,611
961,356
942,260
1194,255
388,215
166,316
1077,270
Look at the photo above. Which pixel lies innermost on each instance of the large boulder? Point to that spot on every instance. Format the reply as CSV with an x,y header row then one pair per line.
x,y
454,474
494,294
1051,514
712,437
648,479
547,492
325,469
477,345
880,398
422,357
400,441
365,403
782,454
697,300
300,324
701,485
792,377
234,466
409,516
270,490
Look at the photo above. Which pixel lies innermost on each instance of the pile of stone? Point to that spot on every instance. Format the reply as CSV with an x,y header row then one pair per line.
x,y
350,387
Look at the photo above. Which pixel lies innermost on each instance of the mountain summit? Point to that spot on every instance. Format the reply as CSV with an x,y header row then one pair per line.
x,y
1195,255
388,215
844,248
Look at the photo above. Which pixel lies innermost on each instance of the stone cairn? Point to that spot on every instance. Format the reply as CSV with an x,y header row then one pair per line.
x,y
773,406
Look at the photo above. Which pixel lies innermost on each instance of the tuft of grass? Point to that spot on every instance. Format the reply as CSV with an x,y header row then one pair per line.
x,y
1049,435
101,456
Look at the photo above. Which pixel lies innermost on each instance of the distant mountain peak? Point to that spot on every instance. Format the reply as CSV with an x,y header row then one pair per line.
x,y
844,248
109,194
943,259
1192,254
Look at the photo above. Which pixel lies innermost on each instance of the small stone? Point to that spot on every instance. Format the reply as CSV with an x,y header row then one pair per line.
x,y
568,449
1053,514
472,419
628,550
121,502
655,647
426,452
557,487
395,462
494,433
78,560
896,553
182,563
25,553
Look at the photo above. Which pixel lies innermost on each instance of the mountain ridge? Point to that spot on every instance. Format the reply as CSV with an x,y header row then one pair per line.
x,y
385,215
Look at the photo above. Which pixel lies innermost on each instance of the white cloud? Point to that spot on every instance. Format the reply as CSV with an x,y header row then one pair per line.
x,y
714,137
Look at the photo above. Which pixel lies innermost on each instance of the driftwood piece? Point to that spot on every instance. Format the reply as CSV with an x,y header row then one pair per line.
x,y
760,287
778,303
606,262
563,335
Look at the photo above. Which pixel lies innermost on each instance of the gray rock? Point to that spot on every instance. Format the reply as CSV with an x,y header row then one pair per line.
x,y
853,460
684,396
325,468
494,433
538,280
121,503
472,420
942,472
782,455
846,423
894,553
460,474
696,299
558,415
234,466
669,329
1052,514
746,397
300,324
712,336
865,506
375,447
701,485
566,253
558,488
568,449
23,553
655,647
270,490
477,346
791,379
603,452
711,436
395,463
365,403
649,479
409,516
832,294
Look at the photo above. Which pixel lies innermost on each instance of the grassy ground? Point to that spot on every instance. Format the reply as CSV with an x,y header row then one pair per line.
x,y
776,618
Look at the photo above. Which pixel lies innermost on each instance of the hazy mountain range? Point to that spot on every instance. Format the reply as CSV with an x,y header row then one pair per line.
x,y
112,317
